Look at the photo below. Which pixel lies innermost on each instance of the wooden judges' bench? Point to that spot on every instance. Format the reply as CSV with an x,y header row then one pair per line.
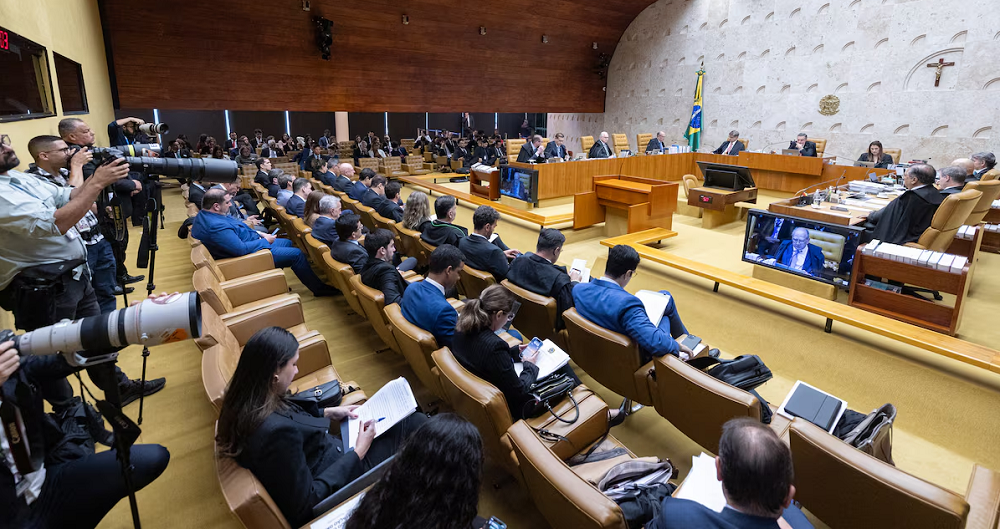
x,y
627,204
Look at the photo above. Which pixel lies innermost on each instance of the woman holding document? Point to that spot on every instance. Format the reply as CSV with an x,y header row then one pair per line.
x,y
288,446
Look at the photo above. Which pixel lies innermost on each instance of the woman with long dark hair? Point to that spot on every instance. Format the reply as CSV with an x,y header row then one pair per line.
x,y
311,209
875,154
289,447
433,481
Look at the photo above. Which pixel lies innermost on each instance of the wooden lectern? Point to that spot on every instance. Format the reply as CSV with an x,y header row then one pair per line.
x,y
635,203
718,204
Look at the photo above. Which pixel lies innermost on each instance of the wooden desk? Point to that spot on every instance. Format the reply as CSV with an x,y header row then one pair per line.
x,y
718,204
991,239
485,185
856,216
645,203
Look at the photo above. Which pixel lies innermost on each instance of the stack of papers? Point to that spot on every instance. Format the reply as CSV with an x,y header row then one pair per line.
x,y
915,256
655,303
701,484
393,403
550,358
337,518
581,266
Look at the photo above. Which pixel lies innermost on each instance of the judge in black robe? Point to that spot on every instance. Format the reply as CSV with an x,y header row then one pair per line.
x,y
906,218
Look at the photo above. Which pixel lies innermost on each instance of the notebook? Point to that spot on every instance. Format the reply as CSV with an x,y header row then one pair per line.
x,y
655,303
816,406
393,403
550,358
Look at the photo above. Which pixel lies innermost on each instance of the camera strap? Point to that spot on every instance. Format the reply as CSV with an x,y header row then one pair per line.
x,y
15,432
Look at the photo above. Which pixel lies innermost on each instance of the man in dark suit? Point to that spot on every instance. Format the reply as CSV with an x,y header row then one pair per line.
x,y
497,152
462,153
555,148
324,228
378,271
479,252
798,254
196,192
390,208
755,468
951,180
358,190
982,163
538,272
772,231
468,124
733,146
347,249
803,145
329,176
270,151
296,204
906,218
258,140
531,151
441,230
343,180
481,154
375,194
424,303
232,144
656,144
601,148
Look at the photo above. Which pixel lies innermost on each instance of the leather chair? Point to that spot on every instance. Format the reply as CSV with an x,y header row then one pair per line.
x,y
610,358
316,249
832,244
990,190
689,181
586,142
992,174
950,216
456,164
485,406
394,168
407,144
474,281
620,142
236,328
299,230
373,302
415,165
745,142
367,163
245,495
895,153
820,146
365,213
243,293
563,497
234,267
417,346
411,245
537,315
340,275
844,487
696,403
514,147
641,141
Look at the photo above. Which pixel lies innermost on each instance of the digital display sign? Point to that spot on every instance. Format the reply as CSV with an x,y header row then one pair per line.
x,y
4,40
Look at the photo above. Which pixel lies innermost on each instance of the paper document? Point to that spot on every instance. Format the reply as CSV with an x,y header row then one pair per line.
x,y
394,401
655,303
581,266
701,484
337,518
550,358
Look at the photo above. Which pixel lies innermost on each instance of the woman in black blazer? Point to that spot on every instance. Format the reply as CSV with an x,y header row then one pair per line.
x,y
290,448
875,154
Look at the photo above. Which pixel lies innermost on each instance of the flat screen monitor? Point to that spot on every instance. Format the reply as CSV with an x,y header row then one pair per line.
x,y
518,183
816,250
725,176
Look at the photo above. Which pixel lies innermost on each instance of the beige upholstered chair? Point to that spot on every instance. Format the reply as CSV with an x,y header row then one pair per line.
x,y
537,316
990,190
820,146
373,302
950,216
514,147
611,358
689,181
895,153
832,244
234,267
641,141
243,293
417,346
620,142
474,281
586,142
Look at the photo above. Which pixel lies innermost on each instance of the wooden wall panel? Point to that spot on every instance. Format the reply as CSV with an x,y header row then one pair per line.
x,y
261,55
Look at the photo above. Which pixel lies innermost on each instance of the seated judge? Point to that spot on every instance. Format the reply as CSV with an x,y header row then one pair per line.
x,y
798,254
875,154
951,180
601,148
803,145
295,449
347,249
442,231
732,146
296,204
344,179
284,189
424,303
538,272
657,144
378,271
324,228
556,149
479,252
606,303
226,237
906,218
358,190
982,163
755,468
374,195
531,151
390,208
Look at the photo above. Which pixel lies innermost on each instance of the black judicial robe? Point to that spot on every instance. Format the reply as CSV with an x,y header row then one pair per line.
x,y
906,218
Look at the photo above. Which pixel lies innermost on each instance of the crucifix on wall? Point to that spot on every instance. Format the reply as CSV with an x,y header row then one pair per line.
x,y
940,68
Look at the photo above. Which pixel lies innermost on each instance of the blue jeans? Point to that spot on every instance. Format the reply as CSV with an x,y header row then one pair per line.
x,y
285,255
101,260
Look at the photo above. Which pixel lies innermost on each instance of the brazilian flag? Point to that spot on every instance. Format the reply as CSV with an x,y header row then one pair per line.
x,y
693,132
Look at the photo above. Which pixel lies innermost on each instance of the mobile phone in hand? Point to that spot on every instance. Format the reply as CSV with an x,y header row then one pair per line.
x,y
495,523
533,346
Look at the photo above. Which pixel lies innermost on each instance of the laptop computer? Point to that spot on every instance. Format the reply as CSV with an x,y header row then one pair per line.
x,y
791,152
864,164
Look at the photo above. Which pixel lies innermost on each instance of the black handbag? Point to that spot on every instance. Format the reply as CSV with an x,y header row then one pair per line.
x,y
323,396
745,371
545,393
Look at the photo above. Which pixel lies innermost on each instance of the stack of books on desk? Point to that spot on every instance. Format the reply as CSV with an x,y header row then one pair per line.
x,y
865,186
916,256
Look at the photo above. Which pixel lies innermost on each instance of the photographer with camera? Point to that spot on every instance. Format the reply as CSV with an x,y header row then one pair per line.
x,y
76,133
44,277
130,131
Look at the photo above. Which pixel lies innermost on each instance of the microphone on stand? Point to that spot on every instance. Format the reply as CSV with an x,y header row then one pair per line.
x,y
769,145
842,175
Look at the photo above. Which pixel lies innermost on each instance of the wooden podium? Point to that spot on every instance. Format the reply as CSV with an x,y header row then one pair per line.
x,y
485,185
626,204
718,204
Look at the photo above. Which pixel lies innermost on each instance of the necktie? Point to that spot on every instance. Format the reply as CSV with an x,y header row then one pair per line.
x,y
795,259
729,148
777,227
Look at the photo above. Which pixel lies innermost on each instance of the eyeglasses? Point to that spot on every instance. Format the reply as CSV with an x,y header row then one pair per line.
x,y
64,149
5,140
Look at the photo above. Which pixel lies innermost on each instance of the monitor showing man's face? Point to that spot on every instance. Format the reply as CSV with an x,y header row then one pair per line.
x,y
800,238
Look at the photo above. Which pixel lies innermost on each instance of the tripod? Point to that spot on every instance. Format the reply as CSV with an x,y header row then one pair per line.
x,y
126,431
147,257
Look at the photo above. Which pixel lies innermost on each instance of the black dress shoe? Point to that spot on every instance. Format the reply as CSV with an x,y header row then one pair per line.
x,y
713,352
128,280
623,411
131,390
128,290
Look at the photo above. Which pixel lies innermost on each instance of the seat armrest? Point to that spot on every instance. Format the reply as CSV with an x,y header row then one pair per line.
x,y
456,304
351,489
983,496
235,267
243,325
258,286
408,274
642,376
415,278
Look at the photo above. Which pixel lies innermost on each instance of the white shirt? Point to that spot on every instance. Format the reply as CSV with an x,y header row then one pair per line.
x,y
436,284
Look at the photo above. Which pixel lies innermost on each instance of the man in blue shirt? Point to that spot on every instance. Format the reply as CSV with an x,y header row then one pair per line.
x,y
424,303
606,303
296,204
226,237
755,468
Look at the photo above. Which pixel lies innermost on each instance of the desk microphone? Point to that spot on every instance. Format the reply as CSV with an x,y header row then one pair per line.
x,y
842,175
766,147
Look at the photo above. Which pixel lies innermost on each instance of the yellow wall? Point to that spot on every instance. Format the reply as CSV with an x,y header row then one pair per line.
x,y
71,28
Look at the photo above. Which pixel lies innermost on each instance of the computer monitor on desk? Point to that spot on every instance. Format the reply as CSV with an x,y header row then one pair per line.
x,y
725,176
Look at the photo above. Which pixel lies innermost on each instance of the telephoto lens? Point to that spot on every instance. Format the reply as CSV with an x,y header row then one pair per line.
x,y
151,129
199,169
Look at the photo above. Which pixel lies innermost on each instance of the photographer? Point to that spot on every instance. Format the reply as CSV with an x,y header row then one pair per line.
x,y
76,133
44,480
44,277
125,131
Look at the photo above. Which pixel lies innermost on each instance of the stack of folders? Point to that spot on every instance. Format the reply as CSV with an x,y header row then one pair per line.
x,y
814,405
967,232
915,256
